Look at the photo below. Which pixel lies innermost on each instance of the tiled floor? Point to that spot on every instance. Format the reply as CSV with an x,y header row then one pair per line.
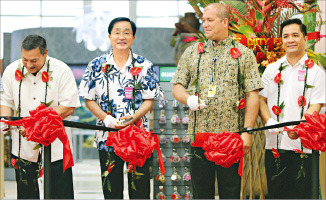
x,y
87,182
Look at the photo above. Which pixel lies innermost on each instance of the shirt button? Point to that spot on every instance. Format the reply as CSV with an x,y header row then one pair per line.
x,y
34,83
118,106
34,98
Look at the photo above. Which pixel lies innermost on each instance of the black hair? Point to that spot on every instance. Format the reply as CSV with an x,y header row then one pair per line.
x,y
120,19
33,41
303,27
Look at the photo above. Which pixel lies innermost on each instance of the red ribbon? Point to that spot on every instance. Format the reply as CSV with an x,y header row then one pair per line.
x,y
224,149
315,36
44,125
313,132
134,145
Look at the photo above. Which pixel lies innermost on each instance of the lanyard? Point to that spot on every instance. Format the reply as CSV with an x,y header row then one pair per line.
x,y
217,55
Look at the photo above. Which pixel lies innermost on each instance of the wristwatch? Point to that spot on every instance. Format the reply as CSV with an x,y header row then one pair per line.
x,y
248,130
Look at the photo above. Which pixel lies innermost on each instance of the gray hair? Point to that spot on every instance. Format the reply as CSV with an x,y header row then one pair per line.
x,y
32,42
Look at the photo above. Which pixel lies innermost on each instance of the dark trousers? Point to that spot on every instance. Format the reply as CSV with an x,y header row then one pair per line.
x,y
116,179
203,178
286,185
61,183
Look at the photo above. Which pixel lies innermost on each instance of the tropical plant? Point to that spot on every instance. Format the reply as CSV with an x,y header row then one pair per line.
x,y
253,22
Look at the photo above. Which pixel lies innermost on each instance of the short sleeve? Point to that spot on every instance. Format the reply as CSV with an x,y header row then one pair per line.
x,y
151,86
252,80
318,92
265,79
68,93
6,97
182,75
87,84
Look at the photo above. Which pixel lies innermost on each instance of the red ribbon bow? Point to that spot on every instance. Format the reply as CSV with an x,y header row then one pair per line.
x,y
224,149
313,132
44,126
134,145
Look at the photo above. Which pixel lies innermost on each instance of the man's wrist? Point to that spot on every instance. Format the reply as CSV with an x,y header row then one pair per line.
x,y
248,130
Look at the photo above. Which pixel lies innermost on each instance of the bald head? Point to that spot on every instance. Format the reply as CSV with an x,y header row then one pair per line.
x,y
221,10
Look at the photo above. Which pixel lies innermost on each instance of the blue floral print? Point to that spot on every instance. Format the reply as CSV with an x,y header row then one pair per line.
x,y
94,87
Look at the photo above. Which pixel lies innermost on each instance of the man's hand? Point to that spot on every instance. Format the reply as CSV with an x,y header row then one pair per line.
x,y
192,102
122,125
246,137
292,134
273,131
110,121
3,127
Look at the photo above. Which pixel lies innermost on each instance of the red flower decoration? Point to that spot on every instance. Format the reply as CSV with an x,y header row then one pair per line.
x,y
110,167
242,103
275,153
131,168
300,101
224,148
134,145
44,125
200,48
41,172
260,57
235,53
104,68
277,78
135,71
298,151
276,110
45,77
139,123
312,133
18,75
189,39
309,63
235,20
13,163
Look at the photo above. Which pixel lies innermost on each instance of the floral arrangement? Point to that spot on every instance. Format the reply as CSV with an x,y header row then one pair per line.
x,y
256,24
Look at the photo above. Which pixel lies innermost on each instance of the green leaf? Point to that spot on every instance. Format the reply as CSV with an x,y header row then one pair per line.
x,y
281,82
281,114
138,173
37,146
108,185
105,174
50,73
241,79
247,31
310,86
47,104
273,178
259,16
174,40
138,86
25,182
282,105
51,78
133,185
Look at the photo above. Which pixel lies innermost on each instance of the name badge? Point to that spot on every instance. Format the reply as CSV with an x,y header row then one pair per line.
x,y
301,74
211,91
128,93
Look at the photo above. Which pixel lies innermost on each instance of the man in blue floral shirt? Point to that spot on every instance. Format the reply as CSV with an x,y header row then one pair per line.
x,y
117,86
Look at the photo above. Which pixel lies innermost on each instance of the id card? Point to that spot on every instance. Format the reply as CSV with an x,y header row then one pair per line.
x,y
301,74
128,93
211,91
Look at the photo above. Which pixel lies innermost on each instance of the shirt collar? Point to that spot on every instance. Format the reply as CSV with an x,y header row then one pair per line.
x,y
300,63
44,68
110,60
220,43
